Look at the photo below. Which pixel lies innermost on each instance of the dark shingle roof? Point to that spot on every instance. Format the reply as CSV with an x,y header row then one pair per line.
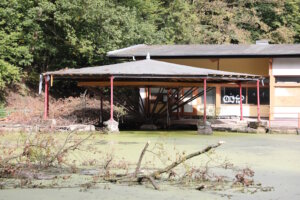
x,y
228,50
148,69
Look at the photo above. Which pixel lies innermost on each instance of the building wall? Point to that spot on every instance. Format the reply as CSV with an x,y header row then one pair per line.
x,y
286,94
258,66
286,66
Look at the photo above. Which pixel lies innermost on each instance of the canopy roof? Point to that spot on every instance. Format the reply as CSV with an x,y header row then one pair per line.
x,y
199,50
150,70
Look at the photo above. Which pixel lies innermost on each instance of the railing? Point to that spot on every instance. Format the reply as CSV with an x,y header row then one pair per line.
x,y
284,119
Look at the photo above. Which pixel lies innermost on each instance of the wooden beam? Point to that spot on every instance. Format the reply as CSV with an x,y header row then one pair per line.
x,y
141,84
163,84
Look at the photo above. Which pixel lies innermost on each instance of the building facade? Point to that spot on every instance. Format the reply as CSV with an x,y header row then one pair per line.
x,y
280,64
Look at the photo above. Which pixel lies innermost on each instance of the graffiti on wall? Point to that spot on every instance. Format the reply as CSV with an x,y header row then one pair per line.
x,y
232,99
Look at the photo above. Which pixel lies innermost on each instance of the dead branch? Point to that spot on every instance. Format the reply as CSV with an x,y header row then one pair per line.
x,y
183,159
151,179
64,150
140,159
139,178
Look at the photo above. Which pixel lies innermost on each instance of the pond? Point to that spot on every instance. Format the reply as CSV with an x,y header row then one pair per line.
x,y
274,158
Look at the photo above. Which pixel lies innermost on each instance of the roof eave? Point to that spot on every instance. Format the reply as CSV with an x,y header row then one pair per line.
x,y
204,56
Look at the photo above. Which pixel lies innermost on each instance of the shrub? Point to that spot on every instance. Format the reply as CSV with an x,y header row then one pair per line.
x,y
9,74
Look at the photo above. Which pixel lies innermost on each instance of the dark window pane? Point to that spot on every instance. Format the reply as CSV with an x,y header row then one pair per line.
x,y
264,95
210,95
232,95
287,79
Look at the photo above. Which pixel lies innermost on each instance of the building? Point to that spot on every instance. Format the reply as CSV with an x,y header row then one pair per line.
x,y
279,63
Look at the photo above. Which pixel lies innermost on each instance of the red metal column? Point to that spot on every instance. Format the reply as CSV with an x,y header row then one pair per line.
x,y
241,102
46,102
258,101
111,98
204,90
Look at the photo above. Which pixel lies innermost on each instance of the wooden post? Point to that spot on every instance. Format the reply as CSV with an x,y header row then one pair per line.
x,y
218,100
258,101
272,88
101,107
204,90
177,97
299,120
241,102
168,109
111,98
148,101
46,102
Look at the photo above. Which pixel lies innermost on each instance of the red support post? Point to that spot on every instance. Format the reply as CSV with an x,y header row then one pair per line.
x,y
258,101
46,102
204,90
241,102
111,98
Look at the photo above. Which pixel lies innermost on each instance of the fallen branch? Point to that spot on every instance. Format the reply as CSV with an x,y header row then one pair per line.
x,y
140,177
140,159
185,158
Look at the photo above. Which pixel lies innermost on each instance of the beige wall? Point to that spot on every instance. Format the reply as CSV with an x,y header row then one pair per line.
x,y
285,97
258,66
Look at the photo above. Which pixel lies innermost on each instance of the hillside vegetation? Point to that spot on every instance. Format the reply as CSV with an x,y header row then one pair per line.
x,y
40,35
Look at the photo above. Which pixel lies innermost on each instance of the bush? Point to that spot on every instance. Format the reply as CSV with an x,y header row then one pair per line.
x,y
2,111
9,74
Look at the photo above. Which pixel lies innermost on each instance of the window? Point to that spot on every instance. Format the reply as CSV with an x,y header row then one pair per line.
x,y
232,95
264,95
287,79
210,95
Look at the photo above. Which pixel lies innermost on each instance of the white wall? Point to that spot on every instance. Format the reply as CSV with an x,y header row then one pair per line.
x,y
286,66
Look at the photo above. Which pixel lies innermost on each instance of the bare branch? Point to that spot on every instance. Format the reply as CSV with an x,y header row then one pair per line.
x,y
140,159
185,158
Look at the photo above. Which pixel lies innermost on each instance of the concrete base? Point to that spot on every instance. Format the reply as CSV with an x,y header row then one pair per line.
x,y
260,127
204,128
284,131
111,126
81,128
150,127
256,124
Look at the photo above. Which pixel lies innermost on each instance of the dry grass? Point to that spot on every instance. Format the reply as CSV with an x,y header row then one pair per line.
x,y
29,109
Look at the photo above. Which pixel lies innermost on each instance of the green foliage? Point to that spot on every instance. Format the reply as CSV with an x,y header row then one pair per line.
x,y
8,74
2,111
41,35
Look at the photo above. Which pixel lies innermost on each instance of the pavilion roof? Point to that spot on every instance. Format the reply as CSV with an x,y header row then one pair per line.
x,y
149,70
